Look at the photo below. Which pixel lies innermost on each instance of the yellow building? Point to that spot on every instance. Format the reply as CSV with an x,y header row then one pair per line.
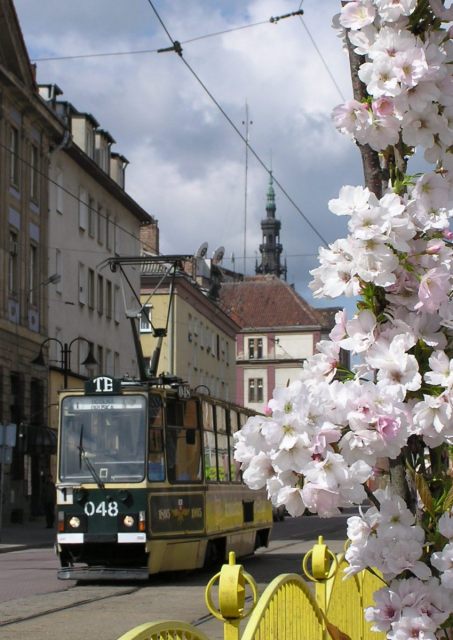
x,y
199,346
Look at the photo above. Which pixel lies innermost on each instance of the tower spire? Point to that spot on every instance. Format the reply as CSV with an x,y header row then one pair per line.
x,y
271,248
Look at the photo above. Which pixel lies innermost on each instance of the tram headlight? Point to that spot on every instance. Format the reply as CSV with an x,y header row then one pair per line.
x,y
74,522
128,521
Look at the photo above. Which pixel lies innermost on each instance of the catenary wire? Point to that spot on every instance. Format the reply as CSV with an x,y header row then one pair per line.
x,y
120,53
102,54
177,48
72,195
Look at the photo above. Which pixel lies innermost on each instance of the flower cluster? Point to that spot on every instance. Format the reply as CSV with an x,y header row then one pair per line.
x,y
325,436
410,608
387,539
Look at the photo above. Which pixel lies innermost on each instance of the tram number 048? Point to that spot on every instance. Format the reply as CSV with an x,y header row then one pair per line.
x,y
103,508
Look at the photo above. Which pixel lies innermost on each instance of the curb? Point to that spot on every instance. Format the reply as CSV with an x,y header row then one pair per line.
x,y
9,548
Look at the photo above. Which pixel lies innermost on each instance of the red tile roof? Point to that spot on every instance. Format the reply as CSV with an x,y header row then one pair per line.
x,y
266,301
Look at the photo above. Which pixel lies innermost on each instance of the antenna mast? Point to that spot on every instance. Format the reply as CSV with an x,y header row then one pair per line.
x,y
246,122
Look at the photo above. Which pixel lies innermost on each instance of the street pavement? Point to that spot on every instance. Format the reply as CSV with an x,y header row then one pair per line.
x,y
107,605
30,535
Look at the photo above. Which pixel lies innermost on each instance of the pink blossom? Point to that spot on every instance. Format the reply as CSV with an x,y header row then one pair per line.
x,y
383,106
433,290
355,15
387,427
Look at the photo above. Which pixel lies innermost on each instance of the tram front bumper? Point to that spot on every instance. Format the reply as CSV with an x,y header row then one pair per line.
x,y
81,538
103,573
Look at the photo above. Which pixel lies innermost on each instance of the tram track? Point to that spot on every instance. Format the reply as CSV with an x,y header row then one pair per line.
x,y
66,607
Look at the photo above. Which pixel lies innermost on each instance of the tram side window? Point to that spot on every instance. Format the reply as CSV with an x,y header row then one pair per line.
x,y
235,466
222,445
210,459
183,441
156,460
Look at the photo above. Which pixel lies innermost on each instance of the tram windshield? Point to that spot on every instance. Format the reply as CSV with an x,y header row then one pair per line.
x,y
102,439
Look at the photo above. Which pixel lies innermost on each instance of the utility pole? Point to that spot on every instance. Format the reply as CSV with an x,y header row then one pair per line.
x,y
246,122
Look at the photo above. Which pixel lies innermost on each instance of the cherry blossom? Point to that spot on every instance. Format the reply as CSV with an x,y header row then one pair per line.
x,y
325,435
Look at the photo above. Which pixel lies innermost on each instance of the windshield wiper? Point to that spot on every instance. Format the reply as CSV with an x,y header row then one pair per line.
x,y
83,455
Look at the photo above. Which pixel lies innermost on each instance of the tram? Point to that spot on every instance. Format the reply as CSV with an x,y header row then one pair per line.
x,y
147,482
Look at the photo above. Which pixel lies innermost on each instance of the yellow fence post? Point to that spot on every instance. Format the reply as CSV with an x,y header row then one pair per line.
x,y
324,565
232,583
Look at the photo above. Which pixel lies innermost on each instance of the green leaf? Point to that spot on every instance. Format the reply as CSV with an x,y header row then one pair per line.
x,y
425,493
448,502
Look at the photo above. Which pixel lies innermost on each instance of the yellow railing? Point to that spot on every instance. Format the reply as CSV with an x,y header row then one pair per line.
x,y
164,630
289,609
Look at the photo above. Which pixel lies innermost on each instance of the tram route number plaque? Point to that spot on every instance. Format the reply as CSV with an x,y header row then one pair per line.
x,y
171,513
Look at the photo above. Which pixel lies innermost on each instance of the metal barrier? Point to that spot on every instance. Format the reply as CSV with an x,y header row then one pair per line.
x,y
289,609
164,630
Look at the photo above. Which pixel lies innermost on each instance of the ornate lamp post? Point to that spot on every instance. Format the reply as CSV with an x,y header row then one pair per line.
x,y
65,354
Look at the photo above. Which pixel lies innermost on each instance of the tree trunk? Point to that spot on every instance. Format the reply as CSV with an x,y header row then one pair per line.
x,y
370,159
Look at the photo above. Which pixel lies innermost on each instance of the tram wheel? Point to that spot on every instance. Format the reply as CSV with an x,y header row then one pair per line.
x,y
215,554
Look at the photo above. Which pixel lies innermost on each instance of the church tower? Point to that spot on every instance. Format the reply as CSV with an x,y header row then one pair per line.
x,y
271,248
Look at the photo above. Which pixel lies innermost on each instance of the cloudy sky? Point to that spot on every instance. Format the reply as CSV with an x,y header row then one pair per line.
x,y
187,164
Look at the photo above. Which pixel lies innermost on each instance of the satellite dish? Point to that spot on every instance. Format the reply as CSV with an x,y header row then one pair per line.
x,y
202,250
218,254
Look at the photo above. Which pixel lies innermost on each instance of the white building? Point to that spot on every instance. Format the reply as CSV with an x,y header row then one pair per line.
x,y
91,219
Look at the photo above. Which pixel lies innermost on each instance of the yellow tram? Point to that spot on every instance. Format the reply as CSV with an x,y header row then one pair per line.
x,y
147,482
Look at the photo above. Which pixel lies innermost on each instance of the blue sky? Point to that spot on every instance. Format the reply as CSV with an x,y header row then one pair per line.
x,y
187,164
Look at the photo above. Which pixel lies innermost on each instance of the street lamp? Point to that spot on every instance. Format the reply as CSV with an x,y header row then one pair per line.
x,y
65,353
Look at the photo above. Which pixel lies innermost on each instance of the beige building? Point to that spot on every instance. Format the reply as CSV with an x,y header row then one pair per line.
x,y
279,330
199,346
92,219
64,211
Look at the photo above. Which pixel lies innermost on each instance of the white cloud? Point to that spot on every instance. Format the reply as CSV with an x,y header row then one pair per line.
x,y
187,163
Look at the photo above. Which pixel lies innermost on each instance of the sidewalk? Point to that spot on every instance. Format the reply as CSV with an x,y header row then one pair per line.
x,y
31,534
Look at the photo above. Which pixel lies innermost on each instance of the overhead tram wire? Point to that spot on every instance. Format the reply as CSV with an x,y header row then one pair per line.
x,y
143,51
326,66
177,48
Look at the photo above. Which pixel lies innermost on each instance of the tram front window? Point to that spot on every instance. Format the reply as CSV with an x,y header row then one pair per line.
x,y
103,439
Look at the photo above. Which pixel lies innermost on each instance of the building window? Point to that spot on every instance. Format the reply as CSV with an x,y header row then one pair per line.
x,y
91,288
36,402
116,304
100,359
255,390
83,209
82,284
16,412
145,319
34,173
116,239
14,156
100,224
33,286
108,299
91,217
108,230
13,264
100,299
255,348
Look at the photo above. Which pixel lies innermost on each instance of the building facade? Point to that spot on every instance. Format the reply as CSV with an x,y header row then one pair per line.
x,y
279,330
199,346
63,212
92,219
28,133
